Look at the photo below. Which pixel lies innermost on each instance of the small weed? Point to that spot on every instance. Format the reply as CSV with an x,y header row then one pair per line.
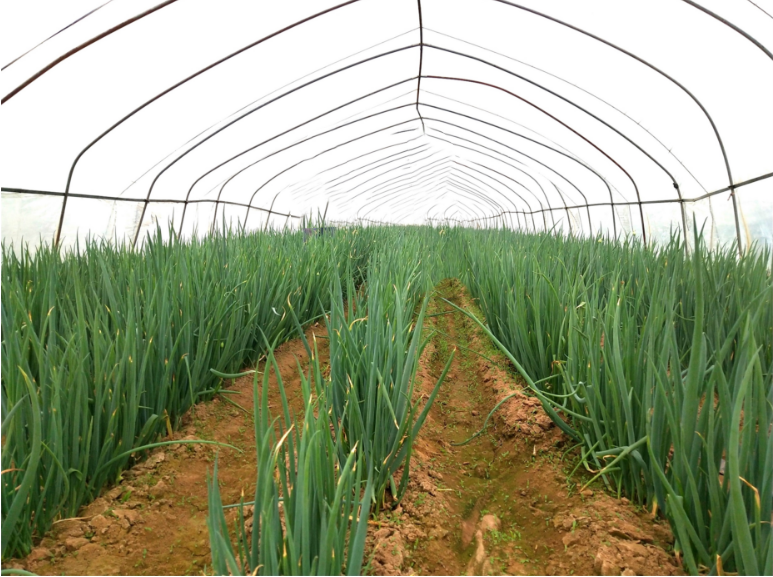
x,y
508,536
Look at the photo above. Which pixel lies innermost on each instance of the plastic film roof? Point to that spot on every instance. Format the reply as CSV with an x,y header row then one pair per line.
x,y
568,115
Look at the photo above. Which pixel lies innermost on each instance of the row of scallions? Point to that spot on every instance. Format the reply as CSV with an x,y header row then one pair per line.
x,y
659,362
104,348
311,507
319,478
375,344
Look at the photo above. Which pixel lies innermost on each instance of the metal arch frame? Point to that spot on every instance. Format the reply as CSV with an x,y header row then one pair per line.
x,y
308,183
503,162
338,146
502,184
434,187
455,188
329,150
242,170
383,184
308,121
516,212
375,165
421,64
412,179
250,112
506,186
259,107
445,183
384,162
455,179
335,194
668,201
729,24
401,189
177,85
665,75
611,200
310,158
595,117
364,182
337,108
560,194
305,187
459,205
455,173
509,165
464,185
498,215
462,191
731,186
513,159
387,53
250,206
389,182
361,115
558,148
522,136
57,33
582,164
283,133
471,176
78,48
426,180
680,200
579,88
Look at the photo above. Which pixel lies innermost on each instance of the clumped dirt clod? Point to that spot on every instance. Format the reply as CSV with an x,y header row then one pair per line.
x,y
502,504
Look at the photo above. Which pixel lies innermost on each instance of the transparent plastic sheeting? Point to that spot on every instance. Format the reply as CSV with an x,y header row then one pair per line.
x,y
580,117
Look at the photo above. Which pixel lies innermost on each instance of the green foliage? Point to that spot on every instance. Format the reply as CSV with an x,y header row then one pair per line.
x,y
374,354
101,344
660,363
322,478
657,360
311,506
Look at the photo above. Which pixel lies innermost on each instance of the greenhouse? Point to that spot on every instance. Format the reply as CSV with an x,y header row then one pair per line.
x,y
468,287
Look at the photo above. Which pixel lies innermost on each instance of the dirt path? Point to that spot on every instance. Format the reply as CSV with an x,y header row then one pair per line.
x,y
502,504
505,503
